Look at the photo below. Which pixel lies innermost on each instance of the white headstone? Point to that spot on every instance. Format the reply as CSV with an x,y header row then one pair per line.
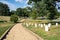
x,y
27,24
41,25
35,25
49,25
44,24
46,28
56,24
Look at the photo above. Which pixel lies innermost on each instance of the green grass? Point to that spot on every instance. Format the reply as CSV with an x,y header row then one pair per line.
x,y
5,24
2,30
4,27
52,34
37,21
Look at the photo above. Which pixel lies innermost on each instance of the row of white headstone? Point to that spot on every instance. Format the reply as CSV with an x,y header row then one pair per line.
x,y
46,26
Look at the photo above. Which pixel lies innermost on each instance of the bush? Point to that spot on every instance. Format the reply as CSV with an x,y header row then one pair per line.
x,y
14,18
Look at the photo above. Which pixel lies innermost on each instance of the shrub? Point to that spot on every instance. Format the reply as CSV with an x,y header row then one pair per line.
x,y
14,18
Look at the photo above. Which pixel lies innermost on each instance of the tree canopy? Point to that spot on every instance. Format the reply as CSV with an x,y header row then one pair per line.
x,y
40,8
4,9
45,7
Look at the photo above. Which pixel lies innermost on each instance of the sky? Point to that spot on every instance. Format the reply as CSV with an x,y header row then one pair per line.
x,y
14,4
58,5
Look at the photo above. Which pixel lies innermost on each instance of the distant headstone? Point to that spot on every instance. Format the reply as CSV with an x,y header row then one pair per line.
x,y
46,28
41,25
49,25
35,25
44,24
56,24
27,24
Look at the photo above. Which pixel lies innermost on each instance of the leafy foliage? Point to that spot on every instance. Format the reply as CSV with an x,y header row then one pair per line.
x,y
22,12
45,8
14,18
4,9
33,15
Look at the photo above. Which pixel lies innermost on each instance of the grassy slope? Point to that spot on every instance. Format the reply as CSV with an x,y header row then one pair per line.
x,y
5,25
52,34
2,30
6,18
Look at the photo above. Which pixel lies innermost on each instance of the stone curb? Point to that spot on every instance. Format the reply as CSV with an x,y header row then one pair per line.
x,y
5,33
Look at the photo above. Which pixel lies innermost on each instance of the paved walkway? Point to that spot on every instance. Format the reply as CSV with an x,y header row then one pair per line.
x,y
19,33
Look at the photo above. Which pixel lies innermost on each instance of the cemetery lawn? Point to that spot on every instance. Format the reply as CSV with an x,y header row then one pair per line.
x,y
4,27
52,34
36,21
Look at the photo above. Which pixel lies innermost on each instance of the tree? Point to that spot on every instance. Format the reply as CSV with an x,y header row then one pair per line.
x,y
40,8
45,7
19,12
25,12
22,12
4,9
51,7
12,12
33,14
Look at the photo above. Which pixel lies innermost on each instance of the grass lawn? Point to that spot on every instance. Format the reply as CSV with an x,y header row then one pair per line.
x,y
52,34
36,21
4,27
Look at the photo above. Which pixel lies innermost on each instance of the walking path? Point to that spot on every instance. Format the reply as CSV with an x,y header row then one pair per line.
x,y
18,32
